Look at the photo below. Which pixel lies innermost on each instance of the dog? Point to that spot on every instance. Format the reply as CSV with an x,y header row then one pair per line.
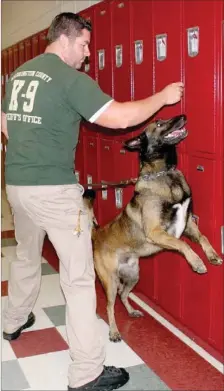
x,y
159,212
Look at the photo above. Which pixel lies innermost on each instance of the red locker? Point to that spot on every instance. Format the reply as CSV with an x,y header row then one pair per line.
x,y
10,61
103,46
142,48
89,66
202,46
120,17
15,56
28,49
5,70
21,53
107,209
35,46
91,164
167,43
79,160
42,41
125,167
204,178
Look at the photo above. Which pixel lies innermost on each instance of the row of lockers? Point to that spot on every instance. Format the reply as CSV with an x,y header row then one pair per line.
x,y
196,301
139,46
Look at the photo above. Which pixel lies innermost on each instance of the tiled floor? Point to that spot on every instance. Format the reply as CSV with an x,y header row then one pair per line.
x,y
39,359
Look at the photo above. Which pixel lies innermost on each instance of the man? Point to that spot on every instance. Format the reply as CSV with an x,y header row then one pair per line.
x,y
45,100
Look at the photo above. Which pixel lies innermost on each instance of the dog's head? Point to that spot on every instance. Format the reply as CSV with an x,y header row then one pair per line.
x,y
159,135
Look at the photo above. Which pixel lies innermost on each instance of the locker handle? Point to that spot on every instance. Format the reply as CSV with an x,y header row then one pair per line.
x,y
101,59
119,55
122,151
102,12
107,147
91,144
138,52
200,168
121,5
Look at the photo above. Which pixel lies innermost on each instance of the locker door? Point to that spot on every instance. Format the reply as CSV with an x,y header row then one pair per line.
x,y
2,79
167,39
21,53
91,164
28,49
35,46
107,209
120,16
142,48
103,46
202,31
89,66
10,61
125,167
15,56
79,160
43,40
5,68
207,201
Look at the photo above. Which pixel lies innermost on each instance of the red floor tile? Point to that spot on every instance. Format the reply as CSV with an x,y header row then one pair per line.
x,y
8,234
4,288
37,342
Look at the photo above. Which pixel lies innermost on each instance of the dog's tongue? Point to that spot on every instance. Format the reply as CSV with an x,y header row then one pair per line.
x,y
175,133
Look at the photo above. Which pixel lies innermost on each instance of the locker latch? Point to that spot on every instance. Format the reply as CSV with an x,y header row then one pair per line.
x,y
101,59
104,192
161,47
193,41
119,198
89,181
118,55
138,52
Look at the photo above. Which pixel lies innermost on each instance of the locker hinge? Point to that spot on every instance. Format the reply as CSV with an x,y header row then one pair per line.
x,y
222,239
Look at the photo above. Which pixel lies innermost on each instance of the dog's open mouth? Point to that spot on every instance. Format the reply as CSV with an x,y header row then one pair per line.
x,y
176,134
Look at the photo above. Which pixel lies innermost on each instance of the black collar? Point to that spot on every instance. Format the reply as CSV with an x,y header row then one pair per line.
x,y
154,175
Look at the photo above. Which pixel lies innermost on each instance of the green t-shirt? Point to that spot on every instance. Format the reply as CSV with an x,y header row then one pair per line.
x,y
45,101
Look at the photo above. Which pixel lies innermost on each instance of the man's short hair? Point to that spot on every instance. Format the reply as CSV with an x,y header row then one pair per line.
x,y
69,24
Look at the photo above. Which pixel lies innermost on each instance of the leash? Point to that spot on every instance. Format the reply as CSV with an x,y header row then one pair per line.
x,y
105,184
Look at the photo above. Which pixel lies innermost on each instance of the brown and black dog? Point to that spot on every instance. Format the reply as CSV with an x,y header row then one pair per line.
x,y
154,220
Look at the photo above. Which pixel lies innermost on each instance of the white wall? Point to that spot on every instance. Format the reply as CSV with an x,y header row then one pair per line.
x,y
23,18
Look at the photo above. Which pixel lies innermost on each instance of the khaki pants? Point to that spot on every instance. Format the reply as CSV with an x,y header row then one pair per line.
x,y
55,210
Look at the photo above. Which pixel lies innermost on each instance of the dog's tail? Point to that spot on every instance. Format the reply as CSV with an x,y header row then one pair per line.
x,y
89,197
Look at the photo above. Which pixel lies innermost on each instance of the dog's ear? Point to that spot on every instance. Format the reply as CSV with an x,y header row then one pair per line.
x,y
134,143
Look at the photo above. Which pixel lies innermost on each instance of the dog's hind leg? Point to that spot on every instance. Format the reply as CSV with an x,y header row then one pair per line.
x,y
124,298
193,233
129,274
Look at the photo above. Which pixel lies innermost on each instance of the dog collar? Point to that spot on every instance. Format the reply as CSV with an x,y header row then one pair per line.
x,y
149,176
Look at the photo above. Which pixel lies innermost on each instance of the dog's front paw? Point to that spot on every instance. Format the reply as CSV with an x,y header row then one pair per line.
x,y
115,336
136,314
215,259
199,267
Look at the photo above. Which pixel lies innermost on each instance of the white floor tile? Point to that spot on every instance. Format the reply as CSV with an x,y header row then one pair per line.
x,y
7,352
42,320
47,371
62,331
5,262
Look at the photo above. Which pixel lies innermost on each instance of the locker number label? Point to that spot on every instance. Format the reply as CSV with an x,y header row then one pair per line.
x,y
161,47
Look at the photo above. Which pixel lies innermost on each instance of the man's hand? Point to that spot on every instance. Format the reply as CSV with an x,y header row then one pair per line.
x,y
173,93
